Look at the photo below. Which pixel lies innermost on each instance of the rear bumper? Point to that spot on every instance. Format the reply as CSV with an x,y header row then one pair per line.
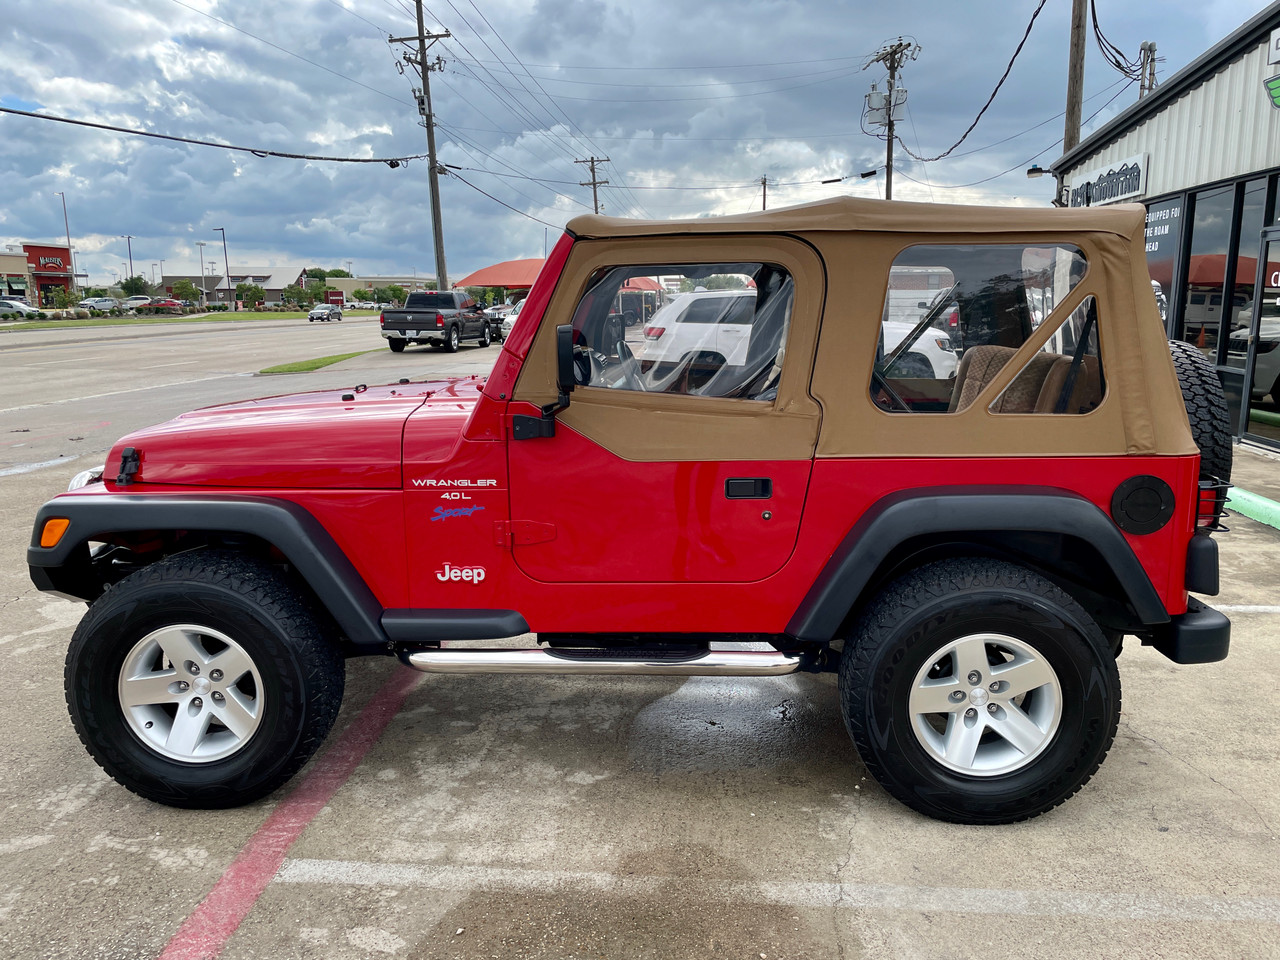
x,y
1201,635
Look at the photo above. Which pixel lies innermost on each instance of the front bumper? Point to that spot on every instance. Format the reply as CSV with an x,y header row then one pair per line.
x,y
1201,635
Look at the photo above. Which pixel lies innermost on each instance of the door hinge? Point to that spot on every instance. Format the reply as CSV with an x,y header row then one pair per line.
x,y
522,533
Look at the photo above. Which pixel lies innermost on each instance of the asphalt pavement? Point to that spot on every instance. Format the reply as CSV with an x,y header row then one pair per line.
x,y
544,817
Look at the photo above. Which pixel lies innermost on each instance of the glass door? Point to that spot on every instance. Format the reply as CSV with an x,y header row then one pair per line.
x,y
1263,345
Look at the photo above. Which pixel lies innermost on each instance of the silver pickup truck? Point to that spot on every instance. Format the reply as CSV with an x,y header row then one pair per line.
x,y
442,319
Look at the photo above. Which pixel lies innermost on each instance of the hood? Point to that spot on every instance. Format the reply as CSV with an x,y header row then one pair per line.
x,y
326,439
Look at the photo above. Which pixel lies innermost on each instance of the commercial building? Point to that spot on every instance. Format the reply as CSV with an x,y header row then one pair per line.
x,y
1202,153
361,288
272,279
50,266
16,280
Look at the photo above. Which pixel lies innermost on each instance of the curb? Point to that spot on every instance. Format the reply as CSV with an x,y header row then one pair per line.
x,y
1255,507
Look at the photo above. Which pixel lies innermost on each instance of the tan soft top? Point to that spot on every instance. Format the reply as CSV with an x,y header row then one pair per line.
x,y
892,216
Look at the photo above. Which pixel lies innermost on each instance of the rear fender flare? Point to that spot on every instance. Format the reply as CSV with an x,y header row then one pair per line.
x,y
942,510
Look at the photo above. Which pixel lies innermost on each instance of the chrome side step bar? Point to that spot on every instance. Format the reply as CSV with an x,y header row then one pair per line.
x,y
713,663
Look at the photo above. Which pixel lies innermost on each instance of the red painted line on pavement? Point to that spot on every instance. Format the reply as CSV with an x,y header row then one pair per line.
x,y
206,931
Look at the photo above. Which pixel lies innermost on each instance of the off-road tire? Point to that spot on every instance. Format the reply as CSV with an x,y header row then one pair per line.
x,y
397,346
1206,409
451,344
903,629
288,641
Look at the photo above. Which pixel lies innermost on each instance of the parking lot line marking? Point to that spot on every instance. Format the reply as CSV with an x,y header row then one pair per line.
x,y
42,363
32,467
849,896
180,363
116,393
205,932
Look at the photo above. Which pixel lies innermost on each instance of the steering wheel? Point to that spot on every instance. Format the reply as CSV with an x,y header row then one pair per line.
x,y
628,366
586,368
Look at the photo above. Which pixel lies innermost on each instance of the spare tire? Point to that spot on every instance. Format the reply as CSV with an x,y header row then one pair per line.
x,y
1206,409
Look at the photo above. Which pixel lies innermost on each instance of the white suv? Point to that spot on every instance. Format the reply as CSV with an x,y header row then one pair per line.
x,y
720,322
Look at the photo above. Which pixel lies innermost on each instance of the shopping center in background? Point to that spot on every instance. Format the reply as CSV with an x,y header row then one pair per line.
x,y
1202,153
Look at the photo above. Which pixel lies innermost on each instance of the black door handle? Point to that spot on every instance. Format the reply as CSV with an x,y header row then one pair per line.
x,y
748,488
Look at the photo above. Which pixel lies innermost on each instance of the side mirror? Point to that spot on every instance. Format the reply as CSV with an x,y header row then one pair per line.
x,y
564,360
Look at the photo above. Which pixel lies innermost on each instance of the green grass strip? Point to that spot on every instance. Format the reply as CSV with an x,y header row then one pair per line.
x,y
221,317
1255,507
306,366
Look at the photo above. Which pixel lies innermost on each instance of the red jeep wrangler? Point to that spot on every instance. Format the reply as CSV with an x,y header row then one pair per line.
x,y
943,450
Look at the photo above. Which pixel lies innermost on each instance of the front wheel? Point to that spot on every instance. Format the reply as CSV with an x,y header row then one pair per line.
x,y
205,680
976,691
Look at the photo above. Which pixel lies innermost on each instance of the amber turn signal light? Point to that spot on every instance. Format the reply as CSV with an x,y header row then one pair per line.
x,y
53,531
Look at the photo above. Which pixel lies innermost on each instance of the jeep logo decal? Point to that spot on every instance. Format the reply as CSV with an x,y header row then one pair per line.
x,y
469,574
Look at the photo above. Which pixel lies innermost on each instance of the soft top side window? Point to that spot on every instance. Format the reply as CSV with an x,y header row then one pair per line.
x,y
702,329
946,301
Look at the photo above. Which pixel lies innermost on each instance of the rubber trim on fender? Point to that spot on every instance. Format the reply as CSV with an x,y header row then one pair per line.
x,y
290,528
911,513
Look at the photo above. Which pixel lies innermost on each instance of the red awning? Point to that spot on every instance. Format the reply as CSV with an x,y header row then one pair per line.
x,y
642,283
512,274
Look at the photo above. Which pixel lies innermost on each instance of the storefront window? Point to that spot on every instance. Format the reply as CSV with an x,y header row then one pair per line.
x,y
1210,235
1240,309
1164,230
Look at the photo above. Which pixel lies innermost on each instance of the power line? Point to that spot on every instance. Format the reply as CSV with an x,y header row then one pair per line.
x,y
507,205
651,86
296,56
990,99
257,152
706,66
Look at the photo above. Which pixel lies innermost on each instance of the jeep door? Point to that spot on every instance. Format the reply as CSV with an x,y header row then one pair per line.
x,y
693,470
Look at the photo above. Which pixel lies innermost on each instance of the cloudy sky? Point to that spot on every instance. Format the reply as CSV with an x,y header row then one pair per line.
x,y
692,102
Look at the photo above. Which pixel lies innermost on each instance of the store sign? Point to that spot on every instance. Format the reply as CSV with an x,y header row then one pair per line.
x,y
1272,86
1273,51
1110,184
52,262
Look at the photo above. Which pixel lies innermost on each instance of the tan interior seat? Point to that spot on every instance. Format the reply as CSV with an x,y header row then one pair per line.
x,y
1085,395
980,365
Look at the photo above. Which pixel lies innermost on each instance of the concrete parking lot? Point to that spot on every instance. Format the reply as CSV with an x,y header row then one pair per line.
x,y
506,816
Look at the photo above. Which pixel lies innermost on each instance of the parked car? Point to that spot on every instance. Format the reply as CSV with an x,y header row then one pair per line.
x,y
136,301
168,303
98,303
325,311
440,318
1266,365
509,321
17,306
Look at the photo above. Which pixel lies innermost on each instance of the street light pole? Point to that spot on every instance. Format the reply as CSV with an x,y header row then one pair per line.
x,y
225,262
204,293
70,253
129,237
162,290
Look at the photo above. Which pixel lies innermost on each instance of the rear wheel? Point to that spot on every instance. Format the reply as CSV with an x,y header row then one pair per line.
x,y
976,691
451,345
397,346
486,338
204,680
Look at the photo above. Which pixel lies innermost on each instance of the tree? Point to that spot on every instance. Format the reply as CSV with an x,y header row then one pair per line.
x,y
339,272
62,298
316,273
250,293
396,293
295,294
186,290
134,286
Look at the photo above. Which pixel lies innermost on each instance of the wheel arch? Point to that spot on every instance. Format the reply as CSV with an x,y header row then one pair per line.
x,y
1051,531
67,567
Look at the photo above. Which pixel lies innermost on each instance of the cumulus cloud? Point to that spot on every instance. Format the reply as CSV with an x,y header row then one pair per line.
x,y
692,104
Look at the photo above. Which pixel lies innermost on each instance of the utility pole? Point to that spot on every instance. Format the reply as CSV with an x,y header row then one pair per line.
x,y
425,68
1146,68
893,57
129,238
226,265
1075,77
764,193
593,182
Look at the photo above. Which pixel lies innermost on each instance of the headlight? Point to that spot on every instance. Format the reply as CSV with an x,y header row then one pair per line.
x,y
86,477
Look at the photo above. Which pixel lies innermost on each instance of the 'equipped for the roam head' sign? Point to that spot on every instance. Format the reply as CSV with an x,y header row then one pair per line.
x,y
1119,181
